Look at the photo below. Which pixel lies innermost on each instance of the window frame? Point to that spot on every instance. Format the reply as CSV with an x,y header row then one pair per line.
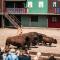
x,y
54,19
30,4
41,4
54,4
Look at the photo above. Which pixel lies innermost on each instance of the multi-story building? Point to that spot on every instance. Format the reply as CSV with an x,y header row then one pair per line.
x,y
30,13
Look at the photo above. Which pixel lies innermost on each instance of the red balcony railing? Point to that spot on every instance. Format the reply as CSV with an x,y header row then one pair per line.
x,y
16,10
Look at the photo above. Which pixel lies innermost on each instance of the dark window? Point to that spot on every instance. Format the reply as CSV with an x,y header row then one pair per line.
x,y
19,4
34,18
54,19
9,4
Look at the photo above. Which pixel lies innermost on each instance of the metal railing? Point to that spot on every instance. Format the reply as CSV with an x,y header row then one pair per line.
x,y
15,0
16,10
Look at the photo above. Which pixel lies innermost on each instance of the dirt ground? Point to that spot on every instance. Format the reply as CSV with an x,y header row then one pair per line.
x,y
55,48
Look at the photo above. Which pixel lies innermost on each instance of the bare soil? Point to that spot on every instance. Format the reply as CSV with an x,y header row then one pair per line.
x,y
55,48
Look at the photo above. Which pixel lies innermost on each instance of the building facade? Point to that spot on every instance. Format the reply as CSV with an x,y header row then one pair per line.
x,y
30,13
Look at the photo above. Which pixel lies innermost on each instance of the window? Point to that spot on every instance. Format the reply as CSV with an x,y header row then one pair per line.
x,y
34,18
29,4
54,19
9,4
41,4
54,4
19,4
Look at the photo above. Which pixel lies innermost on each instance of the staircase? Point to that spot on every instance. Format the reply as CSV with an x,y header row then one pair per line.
x,y
13,20
16,19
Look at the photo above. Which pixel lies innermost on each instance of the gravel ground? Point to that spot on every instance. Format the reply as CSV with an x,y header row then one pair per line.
x,y
6,32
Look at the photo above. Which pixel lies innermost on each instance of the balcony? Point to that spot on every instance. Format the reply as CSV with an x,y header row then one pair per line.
x,y
15,0
16,10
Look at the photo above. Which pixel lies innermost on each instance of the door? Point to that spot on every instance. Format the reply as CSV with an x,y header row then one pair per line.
x,y
34,21
25,20
42,21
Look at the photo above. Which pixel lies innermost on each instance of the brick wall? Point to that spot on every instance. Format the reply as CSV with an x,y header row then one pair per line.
x,y
1,6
